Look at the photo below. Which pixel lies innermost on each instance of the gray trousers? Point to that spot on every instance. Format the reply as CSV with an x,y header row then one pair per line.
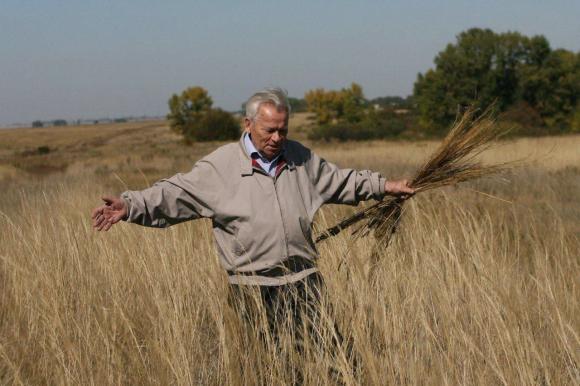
x,y
295,308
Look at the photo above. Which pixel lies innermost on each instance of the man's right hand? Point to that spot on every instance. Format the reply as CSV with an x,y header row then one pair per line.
x,y
105,216
399,189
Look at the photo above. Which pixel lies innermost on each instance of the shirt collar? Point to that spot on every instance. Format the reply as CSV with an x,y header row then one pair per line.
x,y
254,153
246,168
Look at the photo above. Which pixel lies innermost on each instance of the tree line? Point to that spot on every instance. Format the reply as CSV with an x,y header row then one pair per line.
x,y
534,89
529,83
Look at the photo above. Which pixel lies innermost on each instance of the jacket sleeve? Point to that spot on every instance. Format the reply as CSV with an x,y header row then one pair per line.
x,y
344,186
185,196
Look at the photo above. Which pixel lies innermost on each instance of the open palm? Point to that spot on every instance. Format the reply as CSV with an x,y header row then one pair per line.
x,y
105,216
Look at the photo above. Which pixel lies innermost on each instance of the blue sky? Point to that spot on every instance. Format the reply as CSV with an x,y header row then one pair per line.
x,y
88,59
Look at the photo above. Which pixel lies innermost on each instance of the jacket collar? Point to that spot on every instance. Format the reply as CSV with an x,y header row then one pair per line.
x,y
246,168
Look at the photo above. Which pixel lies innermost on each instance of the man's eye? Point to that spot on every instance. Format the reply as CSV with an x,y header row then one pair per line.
x,y
280,132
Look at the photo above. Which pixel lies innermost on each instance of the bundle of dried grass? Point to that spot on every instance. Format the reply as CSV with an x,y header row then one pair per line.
x,y
453,162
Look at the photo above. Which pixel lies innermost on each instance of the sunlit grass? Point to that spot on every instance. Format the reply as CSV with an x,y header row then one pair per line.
x,y
472,290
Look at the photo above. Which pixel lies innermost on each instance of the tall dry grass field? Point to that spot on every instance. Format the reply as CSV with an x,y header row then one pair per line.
x,y
479,286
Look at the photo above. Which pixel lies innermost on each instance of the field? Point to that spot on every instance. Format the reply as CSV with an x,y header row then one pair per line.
x,y
479,286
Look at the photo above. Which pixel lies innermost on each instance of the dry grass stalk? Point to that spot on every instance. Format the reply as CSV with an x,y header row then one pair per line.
x,y
453,162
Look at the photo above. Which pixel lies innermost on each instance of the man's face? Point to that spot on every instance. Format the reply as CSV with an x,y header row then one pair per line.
x,y
268,130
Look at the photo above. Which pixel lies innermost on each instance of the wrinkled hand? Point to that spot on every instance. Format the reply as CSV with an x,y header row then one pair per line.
x,y
399,189
105,216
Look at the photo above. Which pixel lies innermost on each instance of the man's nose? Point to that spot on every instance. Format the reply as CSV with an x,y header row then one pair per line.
x,y
276,137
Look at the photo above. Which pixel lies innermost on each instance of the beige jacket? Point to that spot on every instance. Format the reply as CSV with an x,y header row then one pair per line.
x,y
262,224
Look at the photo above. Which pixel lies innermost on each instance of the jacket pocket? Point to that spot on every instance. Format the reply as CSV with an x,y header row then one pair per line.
x,y
306,228
240,244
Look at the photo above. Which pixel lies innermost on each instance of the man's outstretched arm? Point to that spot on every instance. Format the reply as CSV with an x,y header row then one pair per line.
x,y
105,216
183,197
349,186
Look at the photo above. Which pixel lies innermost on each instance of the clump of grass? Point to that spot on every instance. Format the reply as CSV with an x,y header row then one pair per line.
x,y
454,161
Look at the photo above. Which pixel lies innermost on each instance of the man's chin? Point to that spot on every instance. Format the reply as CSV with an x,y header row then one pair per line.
x,y
271,153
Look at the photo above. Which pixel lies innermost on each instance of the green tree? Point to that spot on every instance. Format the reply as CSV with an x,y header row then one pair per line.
x,y
464,72
553,87
187,108
191,115
348,104
483,67
351,103
320,102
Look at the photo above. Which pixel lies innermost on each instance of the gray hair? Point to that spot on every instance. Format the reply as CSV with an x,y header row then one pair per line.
x,y
274,96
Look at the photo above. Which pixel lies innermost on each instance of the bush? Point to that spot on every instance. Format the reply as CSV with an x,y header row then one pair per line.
x,y
388,124
342,132
213,125
376,125
43,150
59,122
522,117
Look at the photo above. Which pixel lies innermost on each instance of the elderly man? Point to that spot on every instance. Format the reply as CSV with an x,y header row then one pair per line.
x,y
261,194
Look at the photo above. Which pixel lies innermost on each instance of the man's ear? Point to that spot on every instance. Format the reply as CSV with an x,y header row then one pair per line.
x,y
247,124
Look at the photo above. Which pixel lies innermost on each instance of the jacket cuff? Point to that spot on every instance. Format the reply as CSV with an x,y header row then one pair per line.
x,y
125,196
382,182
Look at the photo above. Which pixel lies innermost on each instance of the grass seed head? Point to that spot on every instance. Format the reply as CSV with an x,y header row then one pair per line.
x,y
453,162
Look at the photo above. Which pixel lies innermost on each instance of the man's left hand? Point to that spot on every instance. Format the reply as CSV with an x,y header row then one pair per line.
x,y
399,189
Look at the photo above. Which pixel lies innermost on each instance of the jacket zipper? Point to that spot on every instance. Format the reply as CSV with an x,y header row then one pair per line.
x,y
274,180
